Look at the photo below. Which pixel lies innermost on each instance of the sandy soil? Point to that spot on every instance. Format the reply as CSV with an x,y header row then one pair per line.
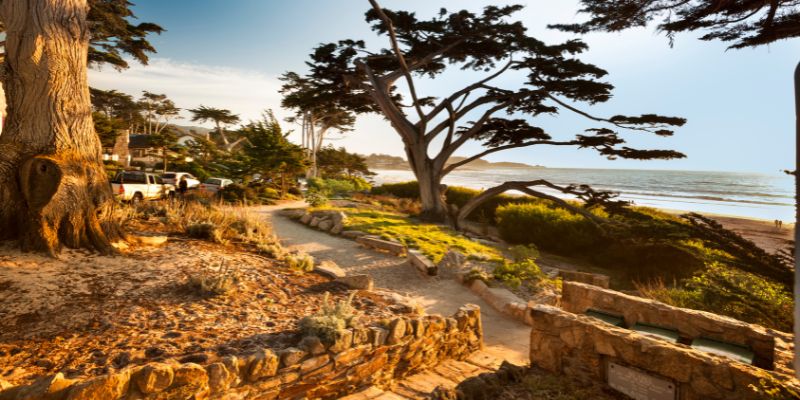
x,y
764,233
504,338
85,314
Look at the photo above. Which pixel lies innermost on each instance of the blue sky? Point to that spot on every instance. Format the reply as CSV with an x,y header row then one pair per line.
x,y
229,54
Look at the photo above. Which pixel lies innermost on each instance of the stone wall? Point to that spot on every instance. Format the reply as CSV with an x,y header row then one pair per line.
x,y
584,347
358,357
585,277
691,324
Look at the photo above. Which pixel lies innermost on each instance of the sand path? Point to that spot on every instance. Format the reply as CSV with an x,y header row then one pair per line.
x,y
504,338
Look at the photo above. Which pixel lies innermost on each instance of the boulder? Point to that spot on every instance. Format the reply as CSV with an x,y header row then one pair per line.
x,y
342,341
312,345
358,281
291,356
314,222
353,234
453,260
263,365
306,218
422,263
325,225
112,386
377,243
190,374
153,378
330,269
337,228
397,329
220,378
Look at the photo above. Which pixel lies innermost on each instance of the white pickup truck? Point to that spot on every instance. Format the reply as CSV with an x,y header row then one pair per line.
x,y
137,186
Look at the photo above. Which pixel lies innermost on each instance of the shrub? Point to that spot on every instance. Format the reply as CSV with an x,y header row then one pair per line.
x,y
326,323
295,191
236,193
728,291
521,253
338,187
300,263
272,250
478,274
515,273
552,229
215,282
205,231
406,190
316,199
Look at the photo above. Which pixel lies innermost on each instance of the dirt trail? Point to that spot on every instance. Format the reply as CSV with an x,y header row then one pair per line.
x,y
504,338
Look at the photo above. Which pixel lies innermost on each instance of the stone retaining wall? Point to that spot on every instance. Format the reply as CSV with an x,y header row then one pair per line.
x,y
691,324
583,347
358,358
585,277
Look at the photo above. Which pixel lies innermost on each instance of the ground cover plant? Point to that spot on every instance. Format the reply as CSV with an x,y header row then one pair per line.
x,y
431,239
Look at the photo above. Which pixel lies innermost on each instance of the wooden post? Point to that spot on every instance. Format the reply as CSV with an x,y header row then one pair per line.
x,y
797,219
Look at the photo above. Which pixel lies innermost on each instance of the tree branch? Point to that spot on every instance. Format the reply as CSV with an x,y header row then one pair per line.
x,y
402,61
524,187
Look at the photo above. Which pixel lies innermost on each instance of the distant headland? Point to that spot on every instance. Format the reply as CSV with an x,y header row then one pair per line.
x,y
385,161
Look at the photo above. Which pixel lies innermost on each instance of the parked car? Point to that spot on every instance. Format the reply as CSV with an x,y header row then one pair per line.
x,y
213,185
173,178
137,186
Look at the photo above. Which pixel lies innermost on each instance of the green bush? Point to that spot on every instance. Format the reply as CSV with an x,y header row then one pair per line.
x,y
316,199
338,187
205,231
551,229
728,291
515,273
236,193
405,190
300,263
215,282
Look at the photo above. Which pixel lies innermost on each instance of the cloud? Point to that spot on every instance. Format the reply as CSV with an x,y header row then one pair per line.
x,y
247,93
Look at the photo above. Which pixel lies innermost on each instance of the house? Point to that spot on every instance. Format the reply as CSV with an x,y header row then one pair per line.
x,y
132,149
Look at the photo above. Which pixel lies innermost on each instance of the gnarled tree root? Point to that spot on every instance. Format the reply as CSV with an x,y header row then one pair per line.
x,y
67,202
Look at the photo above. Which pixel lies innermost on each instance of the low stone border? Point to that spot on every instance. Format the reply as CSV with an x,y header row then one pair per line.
x,y
422,263
585,277
587,349
358,357
374,242
501,299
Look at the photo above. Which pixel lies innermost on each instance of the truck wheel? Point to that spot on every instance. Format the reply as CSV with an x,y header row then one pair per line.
x,y
137,199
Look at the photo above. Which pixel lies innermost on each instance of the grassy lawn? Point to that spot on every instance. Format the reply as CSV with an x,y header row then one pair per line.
x,y
432,240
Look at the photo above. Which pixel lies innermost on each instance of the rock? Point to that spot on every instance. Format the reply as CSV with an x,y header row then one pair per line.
x,y
306,218
190,374
325,225
330,269
585,277
314,363
377,243
43,388
353,234
358,281
337,229
343,340
422,263
453,260
314,222
377,335
338,218
312,345
397,329
112,386
291,356
263,365
220,378
153,378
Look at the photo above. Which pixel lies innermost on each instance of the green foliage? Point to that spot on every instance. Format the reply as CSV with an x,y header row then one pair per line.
x,y
300,263
215,282
272,250
406,190
478,274
338,187
523,252
515,273
113,35
432,240
552,229
728,291
336,163
327,322
316,199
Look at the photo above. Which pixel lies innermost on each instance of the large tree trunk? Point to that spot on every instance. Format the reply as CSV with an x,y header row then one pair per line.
x,y
430,185
53,188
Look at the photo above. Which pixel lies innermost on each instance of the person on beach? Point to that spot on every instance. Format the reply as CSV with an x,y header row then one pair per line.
x,y
778,224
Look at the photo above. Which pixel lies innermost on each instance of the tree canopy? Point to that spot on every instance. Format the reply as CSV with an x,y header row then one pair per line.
x,y
220,117
742,23
113,35
487,43
333,162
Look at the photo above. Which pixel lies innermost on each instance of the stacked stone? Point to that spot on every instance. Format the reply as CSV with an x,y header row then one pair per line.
x,y
582,347
325,220
357,357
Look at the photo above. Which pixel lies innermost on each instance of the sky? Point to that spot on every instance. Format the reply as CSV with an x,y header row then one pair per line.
x,y
229,54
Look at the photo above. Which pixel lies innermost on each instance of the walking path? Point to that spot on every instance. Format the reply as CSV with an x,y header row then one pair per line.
x,y
504,338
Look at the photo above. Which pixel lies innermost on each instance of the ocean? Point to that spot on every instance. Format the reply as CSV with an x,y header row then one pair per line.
x,y
751,195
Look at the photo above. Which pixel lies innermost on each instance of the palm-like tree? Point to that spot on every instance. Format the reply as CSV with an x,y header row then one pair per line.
x,y
219,116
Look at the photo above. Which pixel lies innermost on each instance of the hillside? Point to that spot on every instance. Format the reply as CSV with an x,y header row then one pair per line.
x,y
385,161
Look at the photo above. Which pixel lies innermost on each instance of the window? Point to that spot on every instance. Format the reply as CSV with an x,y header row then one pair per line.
x,y
170,175
131,177
152,179
213,182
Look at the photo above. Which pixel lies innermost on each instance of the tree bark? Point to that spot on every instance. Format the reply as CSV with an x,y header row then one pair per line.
x,y
53,187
